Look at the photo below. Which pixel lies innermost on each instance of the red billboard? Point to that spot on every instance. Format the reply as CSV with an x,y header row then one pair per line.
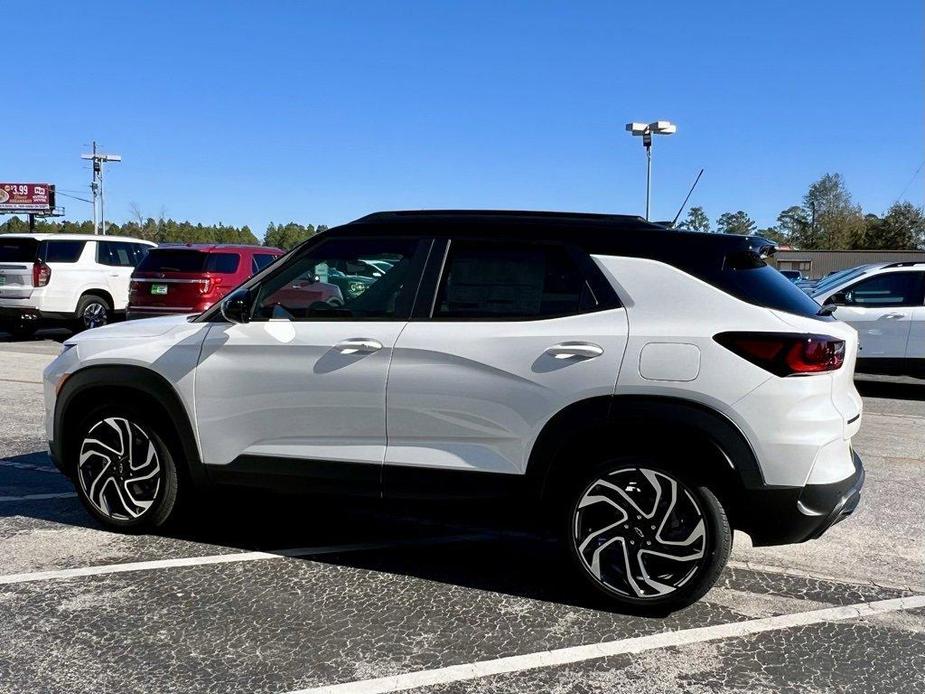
x,y
26,197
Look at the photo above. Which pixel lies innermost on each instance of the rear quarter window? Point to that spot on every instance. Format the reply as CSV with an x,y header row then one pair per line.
x,y
224,263
765,286
61,251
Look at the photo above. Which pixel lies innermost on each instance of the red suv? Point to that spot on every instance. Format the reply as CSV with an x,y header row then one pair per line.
x,y
192,277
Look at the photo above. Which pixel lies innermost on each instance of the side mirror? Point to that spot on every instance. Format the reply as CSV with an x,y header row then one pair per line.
x,y
837,299
236,307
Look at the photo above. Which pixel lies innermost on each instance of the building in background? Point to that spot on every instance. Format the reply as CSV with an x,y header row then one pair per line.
x,y
818,264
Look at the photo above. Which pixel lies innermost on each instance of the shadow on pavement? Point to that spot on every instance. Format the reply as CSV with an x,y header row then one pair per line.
x,y
906,390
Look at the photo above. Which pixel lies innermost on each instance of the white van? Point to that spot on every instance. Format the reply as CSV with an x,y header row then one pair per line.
x,y
71,279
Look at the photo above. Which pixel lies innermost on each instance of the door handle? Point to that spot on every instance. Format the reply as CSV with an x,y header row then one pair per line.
x,y
895,316
358,345
569,350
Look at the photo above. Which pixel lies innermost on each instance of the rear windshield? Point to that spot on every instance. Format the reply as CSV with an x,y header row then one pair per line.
x,y
183,260
18,250
765,286
28,250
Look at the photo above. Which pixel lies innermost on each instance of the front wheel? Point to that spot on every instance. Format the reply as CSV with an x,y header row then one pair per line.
x,y
125,473
646,538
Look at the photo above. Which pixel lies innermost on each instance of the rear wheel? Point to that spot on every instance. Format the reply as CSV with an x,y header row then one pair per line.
x,y
92,312
644,537
125,475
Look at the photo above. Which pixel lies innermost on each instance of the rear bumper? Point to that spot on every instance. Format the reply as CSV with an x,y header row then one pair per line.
x,y
27,314
788,516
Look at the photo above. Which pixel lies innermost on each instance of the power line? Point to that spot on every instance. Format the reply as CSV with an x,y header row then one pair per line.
x,y
917,171
58,192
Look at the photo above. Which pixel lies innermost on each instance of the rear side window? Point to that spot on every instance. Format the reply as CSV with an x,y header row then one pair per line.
x,y
61,251
260,261
17,250
489,280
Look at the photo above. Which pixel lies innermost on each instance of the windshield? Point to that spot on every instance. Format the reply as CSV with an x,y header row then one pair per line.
x,y
837,278
185,260
18,250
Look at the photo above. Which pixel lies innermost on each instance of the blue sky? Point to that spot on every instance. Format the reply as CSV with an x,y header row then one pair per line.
x,y
247,112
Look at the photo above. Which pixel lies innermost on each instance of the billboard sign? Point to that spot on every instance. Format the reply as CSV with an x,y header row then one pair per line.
x,y
26,197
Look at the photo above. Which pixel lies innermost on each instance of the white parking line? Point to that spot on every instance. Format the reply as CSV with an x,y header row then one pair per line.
x,y
233,557
577,654
39,497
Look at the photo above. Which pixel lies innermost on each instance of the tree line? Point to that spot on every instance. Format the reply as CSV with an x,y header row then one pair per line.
x,y
827,219
166,230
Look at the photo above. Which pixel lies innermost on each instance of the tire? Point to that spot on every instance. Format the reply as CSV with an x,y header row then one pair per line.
x,y
115,487
92,312
624,516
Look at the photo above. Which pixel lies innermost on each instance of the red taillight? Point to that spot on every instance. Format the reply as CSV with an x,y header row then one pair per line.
x,y
41,274
786,354
208,284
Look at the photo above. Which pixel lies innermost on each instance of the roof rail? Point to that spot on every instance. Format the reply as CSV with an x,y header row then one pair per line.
x,y
905,263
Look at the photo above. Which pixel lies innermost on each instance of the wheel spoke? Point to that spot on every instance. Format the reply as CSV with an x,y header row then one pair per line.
x,y
644,547
119,469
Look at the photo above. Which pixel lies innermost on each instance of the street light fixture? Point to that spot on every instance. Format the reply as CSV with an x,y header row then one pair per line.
x,y
646,131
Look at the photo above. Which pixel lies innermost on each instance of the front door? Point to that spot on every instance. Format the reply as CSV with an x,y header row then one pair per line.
x,y
299,391
881,308
515,333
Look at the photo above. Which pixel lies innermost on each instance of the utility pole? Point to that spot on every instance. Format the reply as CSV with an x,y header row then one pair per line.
x,y
647,130
96,186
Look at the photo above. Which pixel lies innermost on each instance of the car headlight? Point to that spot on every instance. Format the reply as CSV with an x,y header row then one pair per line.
x,y
356,288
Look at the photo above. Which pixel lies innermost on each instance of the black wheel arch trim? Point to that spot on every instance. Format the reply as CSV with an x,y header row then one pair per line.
x,y
617,414
128,377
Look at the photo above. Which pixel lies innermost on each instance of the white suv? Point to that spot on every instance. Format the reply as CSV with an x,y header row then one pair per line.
x,y
648,389
74,278
885,303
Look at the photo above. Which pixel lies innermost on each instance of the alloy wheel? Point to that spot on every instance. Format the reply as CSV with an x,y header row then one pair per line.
x,y
119,469
94,315
639,532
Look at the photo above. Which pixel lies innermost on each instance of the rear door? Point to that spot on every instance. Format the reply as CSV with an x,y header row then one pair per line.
x,y
119,259
881,309
17,256
514,333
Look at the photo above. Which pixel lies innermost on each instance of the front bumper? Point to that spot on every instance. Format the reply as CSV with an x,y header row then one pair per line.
x,y
788,516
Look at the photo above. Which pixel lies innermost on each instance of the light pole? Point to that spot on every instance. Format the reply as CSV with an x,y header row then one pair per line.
x,y
646,131
96,186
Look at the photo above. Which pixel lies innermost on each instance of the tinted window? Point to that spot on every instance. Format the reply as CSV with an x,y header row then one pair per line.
x,y
188,260
222,262
500,280
757,283
17,250
261,260
888,289
61,251
836,278
322,285
115,253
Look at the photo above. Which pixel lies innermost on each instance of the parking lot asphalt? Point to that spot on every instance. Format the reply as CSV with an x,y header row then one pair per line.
x,y
264,594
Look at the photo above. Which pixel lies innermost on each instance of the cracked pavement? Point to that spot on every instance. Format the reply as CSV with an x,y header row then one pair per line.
x,y
418,597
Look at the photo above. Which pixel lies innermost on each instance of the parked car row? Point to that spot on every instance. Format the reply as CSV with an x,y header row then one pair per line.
x,y
81,282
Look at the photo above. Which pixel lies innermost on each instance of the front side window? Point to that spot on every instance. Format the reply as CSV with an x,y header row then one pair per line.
x,y
61,251
328,283
489,280
888,289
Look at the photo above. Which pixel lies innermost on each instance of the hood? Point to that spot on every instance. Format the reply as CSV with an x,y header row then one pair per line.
x,y
147,327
